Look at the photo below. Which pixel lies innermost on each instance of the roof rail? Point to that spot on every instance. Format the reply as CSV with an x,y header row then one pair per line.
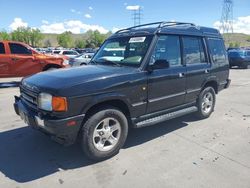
x,y
160,25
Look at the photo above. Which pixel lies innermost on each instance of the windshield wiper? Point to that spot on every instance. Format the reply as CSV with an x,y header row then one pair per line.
x,y
112,62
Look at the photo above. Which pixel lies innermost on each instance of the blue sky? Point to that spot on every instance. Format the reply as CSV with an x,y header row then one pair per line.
x,y
80,15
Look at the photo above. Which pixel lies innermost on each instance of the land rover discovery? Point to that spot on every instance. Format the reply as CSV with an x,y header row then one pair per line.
x,y
163,70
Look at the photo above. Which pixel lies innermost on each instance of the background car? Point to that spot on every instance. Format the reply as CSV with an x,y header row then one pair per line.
x,y
239,58
81,59
68,53
18,59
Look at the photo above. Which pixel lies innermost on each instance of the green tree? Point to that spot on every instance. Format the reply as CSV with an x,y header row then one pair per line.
x,y
234,45
28,35
80,43
65,39
248,39
94,39
4,35
47,43
35,37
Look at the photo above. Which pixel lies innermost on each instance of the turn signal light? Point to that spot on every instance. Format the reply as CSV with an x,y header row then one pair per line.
x,y
59,104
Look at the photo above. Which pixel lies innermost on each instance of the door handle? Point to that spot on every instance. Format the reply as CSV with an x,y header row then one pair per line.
x,y
181,75
207,71
14,59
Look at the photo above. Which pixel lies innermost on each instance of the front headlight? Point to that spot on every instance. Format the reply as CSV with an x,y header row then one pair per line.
x,y
45,101
66,62
52,103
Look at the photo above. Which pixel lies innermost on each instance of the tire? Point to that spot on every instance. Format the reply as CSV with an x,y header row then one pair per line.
x,y
206,103
245,65
104,134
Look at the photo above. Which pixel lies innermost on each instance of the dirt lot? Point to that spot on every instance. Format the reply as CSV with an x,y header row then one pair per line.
x,y
179,153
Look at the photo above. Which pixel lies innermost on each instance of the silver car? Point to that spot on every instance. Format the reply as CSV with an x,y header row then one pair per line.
x,y
82,59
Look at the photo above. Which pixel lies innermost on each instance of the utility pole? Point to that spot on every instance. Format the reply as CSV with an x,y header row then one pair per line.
x,y
227,19
137,13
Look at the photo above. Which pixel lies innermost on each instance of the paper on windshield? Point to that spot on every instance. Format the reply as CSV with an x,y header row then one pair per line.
x,y
137,39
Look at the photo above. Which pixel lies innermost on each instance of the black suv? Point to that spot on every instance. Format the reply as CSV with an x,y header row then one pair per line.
x,y
140,76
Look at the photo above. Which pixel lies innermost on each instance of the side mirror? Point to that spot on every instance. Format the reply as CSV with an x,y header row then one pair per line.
x,y
159,64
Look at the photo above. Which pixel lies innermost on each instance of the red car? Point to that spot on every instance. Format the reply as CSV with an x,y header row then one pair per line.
x,y
18,59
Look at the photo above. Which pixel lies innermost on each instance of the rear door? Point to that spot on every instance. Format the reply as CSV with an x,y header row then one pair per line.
x,y
167,87
219,58
4,62
197,64
23,61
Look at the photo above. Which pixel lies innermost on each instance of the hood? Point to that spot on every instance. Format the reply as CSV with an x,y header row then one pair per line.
x,y
65,79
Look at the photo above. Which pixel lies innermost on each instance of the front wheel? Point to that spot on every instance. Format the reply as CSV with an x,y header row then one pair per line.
x,y
206,102
104,133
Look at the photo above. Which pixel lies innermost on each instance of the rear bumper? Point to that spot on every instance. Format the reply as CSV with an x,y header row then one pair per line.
x,y
224,85
63,131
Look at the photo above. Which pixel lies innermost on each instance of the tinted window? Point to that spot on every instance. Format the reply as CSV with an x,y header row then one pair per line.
x,y
168,48
69,53
193,50
56,52
2,50
19,49
217,50
248,53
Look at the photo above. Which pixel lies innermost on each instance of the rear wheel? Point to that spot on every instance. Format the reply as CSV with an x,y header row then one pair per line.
x,y
104,133
206,102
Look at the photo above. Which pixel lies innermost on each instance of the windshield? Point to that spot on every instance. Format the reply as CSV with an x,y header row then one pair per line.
x,y
128,51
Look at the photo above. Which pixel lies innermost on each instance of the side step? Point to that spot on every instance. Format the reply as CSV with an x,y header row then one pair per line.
x,y
165,117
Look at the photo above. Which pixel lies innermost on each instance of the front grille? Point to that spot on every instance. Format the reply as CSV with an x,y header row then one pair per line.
x,y
28,96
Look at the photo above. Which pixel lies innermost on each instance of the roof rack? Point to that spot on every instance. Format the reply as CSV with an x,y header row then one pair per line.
x,y
160,25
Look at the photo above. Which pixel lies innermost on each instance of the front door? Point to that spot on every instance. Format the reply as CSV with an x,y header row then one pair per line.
x,y
167,86
4,62
23,61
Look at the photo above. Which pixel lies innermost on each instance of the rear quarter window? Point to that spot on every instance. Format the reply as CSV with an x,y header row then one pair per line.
x,y
2,49
217,50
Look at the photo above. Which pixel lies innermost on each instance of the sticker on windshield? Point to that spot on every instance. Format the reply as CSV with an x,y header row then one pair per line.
x,y
137,39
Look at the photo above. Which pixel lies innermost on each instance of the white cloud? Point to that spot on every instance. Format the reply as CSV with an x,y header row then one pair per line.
x,y
53,28
45,22
75,26
87,16
90,8
115,29
133,7
18,22
75,11
240,25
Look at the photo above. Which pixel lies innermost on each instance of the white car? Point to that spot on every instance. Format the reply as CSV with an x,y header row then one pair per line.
x,y
68,53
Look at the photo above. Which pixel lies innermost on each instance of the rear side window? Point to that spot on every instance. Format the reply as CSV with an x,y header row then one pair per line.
x,y
19,49
193,50
217,50
2,50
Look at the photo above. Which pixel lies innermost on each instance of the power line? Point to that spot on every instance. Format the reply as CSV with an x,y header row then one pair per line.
x,y
137,16
227,17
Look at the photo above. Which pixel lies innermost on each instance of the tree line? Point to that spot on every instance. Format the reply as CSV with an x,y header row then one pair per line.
x,y
34,37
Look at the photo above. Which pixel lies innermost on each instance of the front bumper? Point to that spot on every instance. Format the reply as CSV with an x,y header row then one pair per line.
x,y
63,131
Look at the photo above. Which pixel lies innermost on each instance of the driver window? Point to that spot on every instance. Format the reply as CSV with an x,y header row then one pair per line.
x,y
167,48
19,49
